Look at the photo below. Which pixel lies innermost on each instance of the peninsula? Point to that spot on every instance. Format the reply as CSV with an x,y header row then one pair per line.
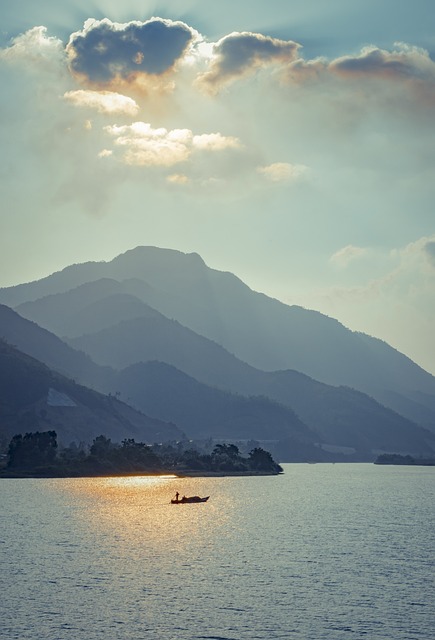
x,y
38,455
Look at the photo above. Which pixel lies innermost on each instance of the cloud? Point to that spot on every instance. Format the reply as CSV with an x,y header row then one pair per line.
x,y
402,63
406,68
178,178
429,250
35,47
405,270
215,142
105,153
238,54
106,102
104,51
145,146
283,171
344,256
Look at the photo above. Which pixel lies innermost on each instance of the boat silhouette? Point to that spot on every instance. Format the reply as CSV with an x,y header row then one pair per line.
x,y
188,500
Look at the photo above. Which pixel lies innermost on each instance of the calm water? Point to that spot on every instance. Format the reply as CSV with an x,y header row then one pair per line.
x,y
323,552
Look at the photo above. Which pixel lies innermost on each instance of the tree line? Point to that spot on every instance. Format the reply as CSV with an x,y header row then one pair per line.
x,y
38,453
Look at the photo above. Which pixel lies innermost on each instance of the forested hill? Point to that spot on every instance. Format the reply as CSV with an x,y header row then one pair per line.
x,y
33,397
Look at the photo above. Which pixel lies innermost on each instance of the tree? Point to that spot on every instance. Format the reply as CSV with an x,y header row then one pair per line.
x,y
138,454
261,460
32,450
229,450
101,447
226,457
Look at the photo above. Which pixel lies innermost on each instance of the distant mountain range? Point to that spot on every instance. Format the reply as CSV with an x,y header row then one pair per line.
x,y
35,398
178,340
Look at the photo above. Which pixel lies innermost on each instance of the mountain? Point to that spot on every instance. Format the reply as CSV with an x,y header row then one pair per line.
x,y
155,304
35,398
203,411
259,330
208,412
197,391
337,417
340,416
215,414
89,307
43,345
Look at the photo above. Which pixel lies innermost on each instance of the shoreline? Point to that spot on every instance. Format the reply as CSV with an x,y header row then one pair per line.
x,y
163,473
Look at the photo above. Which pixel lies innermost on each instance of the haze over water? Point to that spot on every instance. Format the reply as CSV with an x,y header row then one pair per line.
x,y
322,552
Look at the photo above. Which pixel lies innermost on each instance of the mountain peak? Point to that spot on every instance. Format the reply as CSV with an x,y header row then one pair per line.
x,y
156,257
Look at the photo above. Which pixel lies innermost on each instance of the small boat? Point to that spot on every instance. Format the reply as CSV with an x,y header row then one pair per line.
x,y
185,500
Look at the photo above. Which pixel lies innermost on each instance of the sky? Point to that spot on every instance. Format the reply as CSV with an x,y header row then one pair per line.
x,y
291,143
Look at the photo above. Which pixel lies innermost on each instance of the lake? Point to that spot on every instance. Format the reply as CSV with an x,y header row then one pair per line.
x,y
323,552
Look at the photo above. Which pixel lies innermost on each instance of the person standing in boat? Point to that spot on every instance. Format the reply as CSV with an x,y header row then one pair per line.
x,y
177,496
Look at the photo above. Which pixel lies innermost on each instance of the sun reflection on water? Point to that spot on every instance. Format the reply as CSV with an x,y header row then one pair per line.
x,y
135,511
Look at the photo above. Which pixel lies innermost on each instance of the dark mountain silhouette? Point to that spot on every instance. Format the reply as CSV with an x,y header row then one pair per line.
x,y
89,307
121,307
256,328
203,411
338,416
39,343
211,412
158,338
35,398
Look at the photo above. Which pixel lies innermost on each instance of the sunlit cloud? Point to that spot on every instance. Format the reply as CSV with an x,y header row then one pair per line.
x,y
178,178
106,102
105,153
36,48
215,142
239,54
104,52
283,171
145,146
344,256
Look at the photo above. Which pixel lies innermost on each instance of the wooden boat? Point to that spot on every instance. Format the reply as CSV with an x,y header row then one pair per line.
x,y
189,500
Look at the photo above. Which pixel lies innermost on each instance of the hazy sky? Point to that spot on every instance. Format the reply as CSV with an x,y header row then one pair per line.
x,y
291,143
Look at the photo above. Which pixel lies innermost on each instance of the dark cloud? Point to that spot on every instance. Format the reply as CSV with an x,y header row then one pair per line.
x,y
400,77
104,51
405,62
238,53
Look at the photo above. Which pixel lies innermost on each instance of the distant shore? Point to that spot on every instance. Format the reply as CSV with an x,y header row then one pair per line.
x,y
7,473
398,459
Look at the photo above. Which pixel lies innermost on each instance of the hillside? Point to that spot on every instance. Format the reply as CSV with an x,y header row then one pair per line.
x,y
43,345
162,390
207,413
339,416
257,329
34,398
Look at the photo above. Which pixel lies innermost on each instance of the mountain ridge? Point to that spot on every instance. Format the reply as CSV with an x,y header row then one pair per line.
x,y
34,398
337,415
257,331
